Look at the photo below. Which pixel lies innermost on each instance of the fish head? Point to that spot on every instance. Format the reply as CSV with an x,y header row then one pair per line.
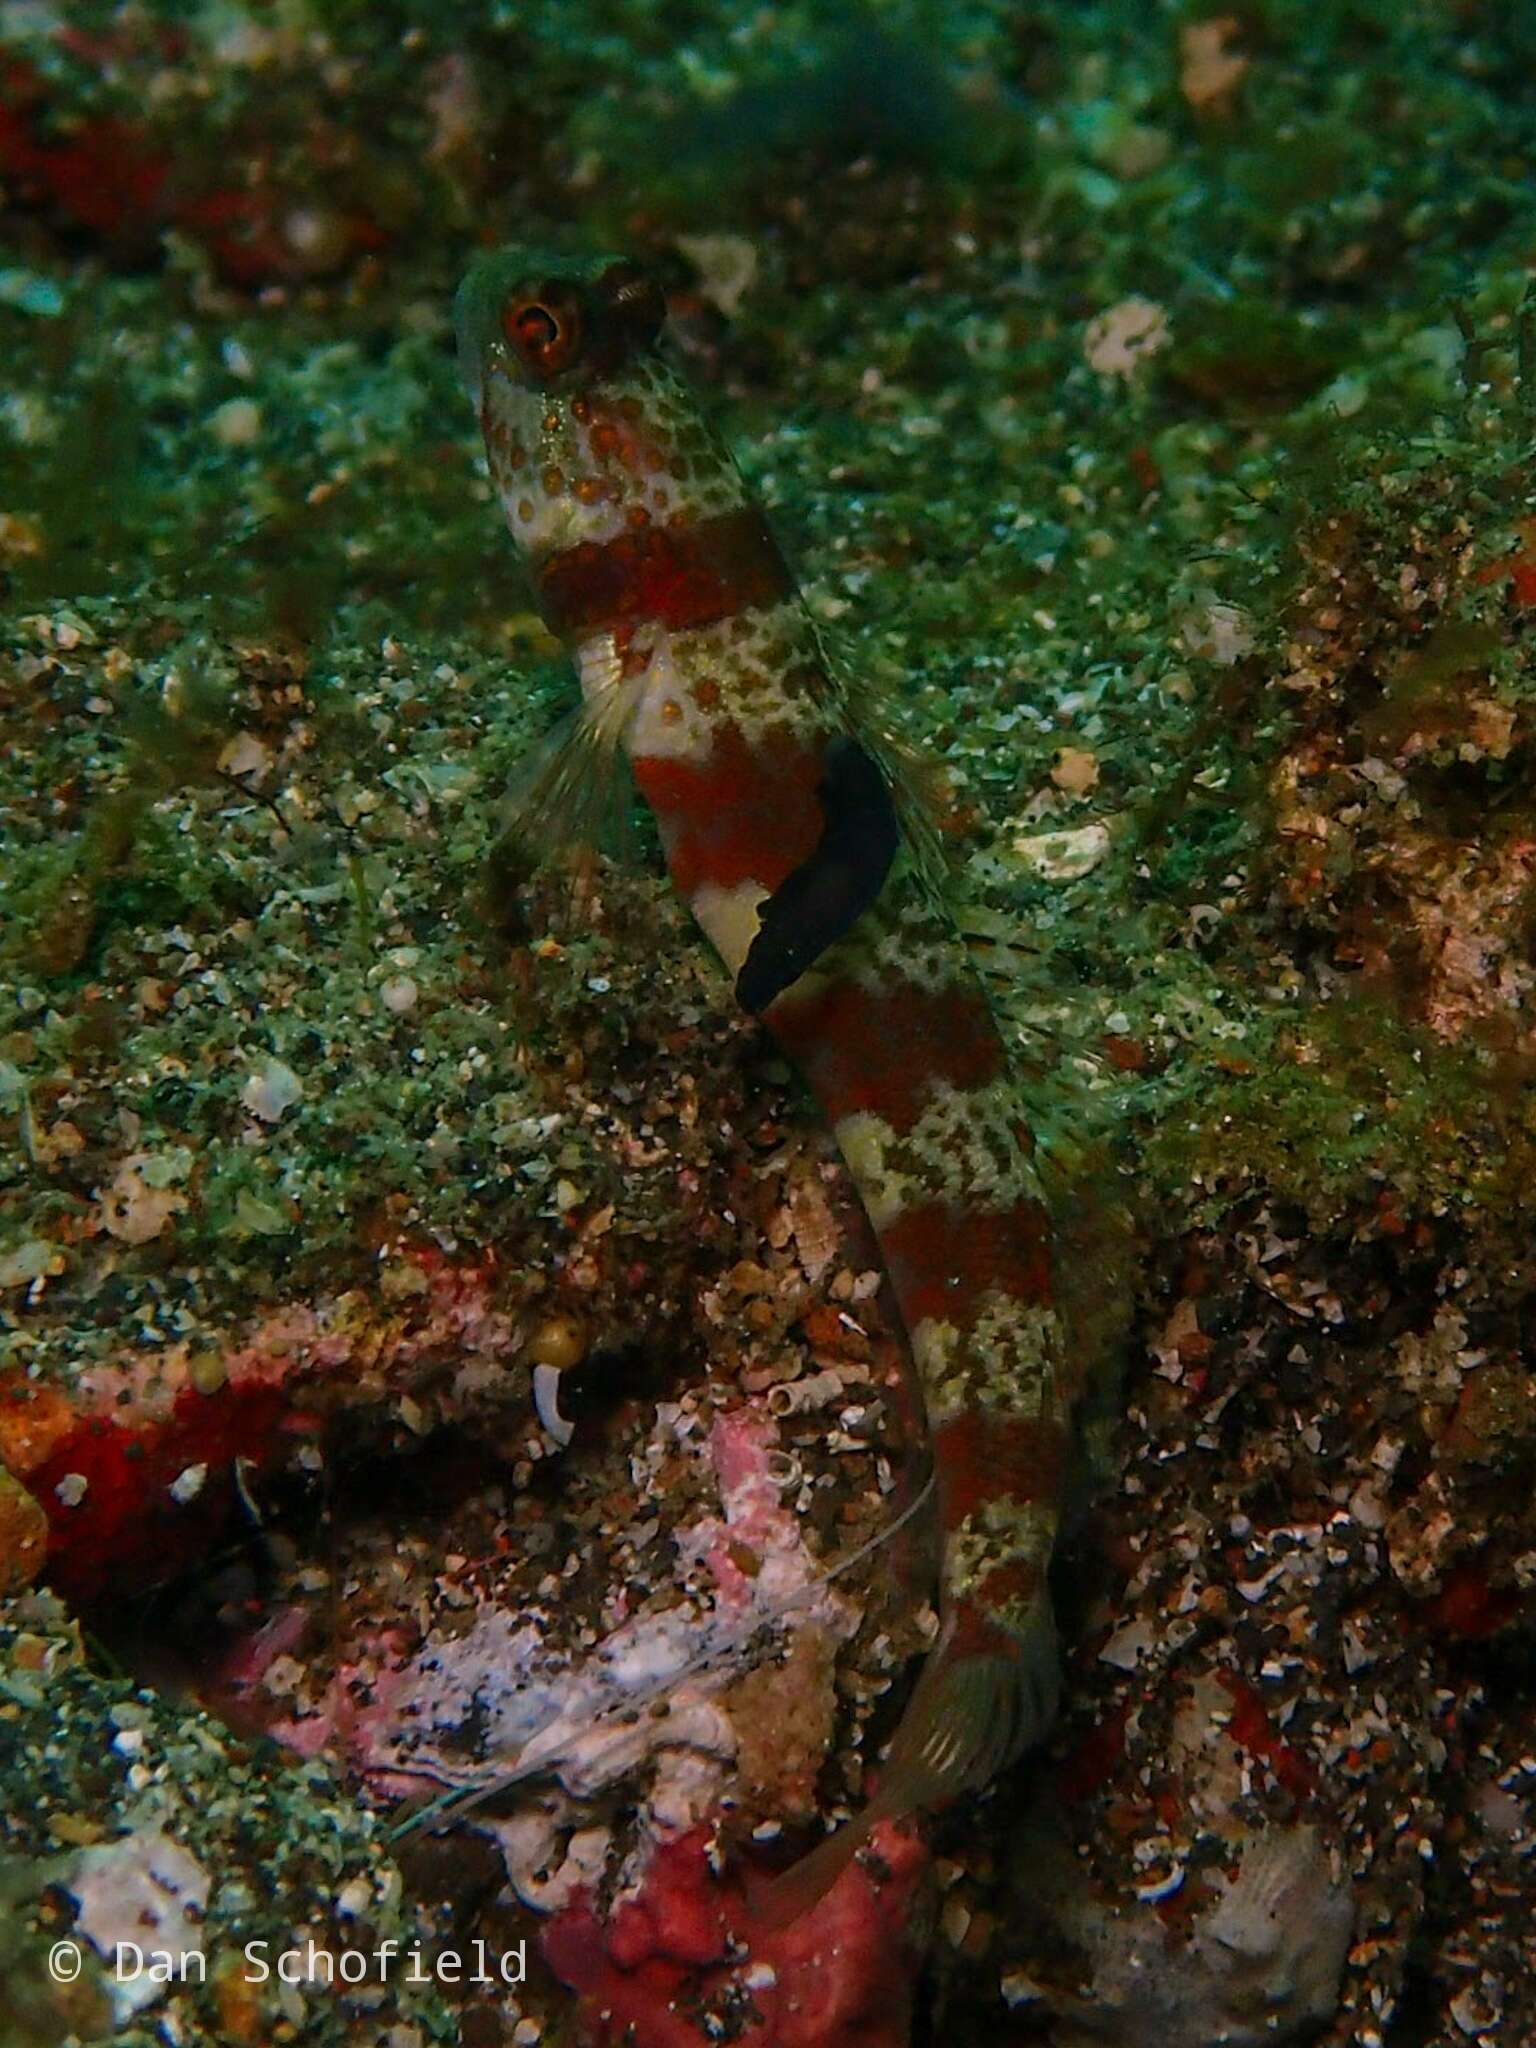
x,y
584,422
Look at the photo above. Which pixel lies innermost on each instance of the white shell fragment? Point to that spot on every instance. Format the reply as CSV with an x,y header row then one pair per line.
x,y
271,1090
144,1889
546,1399
188,1483
1064,856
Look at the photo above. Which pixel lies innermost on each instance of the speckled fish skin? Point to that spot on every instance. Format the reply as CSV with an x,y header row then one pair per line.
x,y
653,563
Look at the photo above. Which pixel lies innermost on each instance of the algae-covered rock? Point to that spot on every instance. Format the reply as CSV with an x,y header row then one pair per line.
x,y
156,1869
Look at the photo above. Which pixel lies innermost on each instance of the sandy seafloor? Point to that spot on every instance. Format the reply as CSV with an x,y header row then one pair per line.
x,y
1146,397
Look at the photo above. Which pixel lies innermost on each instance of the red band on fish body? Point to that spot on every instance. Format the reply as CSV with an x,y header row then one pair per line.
x,y
688,574
987,1455
943,1259
748,811
888,1049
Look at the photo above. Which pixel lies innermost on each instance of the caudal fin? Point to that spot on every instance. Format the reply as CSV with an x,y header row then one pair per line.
x,y
972,1712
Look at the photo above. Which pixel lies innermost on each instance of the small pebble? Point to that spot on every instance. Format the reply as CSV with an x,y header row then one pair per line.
x,y
207,1372
559,1341
188,1484
237,423
1076,771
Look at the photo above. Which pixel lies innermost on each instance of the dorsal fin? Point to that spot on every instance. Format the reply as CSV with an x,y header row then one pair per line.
x,y
917,786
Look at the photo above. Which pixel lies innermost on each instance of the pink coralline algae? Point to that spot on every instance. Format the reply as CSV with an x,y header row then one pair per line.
x,y
138,1470
636,1690
685,1960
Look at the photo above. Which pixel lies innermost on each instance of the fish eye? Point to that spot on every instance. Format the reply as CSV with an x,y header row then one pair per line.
x,y
537,329
545,329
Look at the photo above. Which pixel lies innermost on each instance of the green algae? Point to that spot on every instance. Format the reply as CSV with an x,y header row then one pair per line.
x,y
266,521
88,1761
961,432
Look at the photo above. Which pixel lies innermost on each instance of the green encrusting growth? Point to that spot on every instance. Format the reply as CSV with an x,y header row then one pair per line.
x,y
1033,552
958,430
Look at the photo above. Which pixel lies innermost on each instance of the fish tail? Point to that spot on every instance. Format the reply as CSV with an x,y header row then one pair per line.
x,y
985,1696
800,1888
978,1705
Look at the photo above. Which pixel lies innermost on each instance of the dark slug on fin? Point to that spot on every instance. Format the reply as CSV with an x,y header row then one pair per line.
x,y
827,894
